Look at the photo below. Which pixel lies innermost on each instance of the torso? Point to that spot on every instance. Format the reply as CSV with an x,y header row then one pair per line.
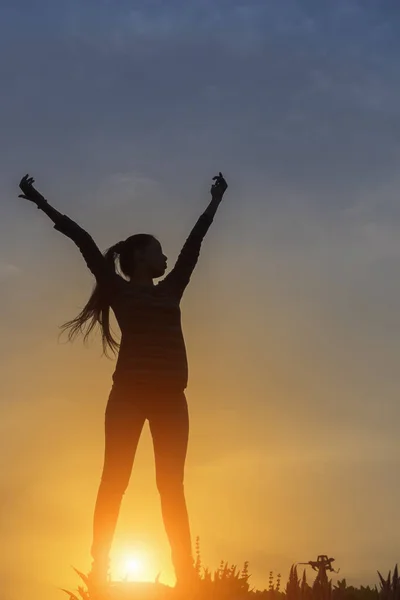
x,y
152,348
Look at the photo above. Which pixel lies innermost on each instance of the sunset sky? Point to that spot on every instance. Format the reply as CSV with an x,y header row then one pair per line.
x,y
123,112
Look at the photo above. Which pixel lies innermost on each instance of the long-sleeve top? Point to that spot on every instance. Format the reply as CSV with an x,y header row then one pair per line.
x,y
152,351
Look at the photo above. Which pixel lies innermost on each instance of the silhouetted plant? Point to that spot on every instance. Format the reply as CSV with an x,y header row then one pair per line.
x,y
271,581
322,589
390,587
342,591
225,582
230,583
197,564
84,594
293,587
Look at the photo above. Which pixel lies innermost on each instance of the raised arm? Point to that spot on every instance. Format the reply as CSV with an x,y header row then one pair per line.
x,y
101,269
180,275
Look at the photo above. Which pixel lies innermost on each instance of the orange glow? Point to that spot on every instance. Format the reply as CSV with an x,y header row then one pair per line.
x,y
134,566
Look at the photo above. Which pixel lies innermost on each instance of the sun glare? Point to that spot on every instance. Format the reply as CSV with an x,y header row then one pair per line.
x,y
133,567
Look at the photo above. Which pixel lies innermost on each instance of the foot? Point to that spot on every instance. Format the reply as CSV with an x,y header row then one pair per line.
x,y
187,580
98,578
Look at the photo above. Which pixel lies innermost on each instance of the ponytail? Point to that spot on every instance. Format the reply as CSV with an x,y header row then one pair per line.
x,y
96,311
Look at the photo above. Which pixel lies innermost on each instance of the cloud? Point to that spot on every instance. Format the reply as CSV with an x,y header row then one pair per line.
x,y
120,189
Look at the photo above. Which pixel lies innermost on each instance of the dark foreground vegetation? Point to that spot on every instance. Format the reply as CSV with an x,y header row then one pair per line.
x,y
233,583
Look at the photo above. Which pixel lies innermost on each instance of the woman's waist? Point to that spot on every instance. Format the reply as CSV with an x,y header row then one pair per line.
x,y
150,359
146,348
151,375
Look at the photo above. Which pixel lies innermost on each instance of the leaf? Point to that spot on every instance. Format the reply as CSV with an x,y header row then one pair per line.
x,y
83,593
84,577
70,594
383,582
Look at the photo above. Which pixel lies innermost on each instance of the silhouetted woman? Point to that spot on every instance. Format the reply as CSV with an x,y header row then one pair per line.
x,y
151,373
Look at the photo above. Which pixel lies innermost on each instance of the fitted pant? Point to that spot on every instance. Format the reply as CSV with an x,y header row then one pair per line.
x,y
167,412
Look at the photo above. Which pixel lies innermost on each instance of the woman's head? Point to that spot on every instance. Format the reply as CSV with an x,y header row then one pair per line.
x,y
140,258
141,255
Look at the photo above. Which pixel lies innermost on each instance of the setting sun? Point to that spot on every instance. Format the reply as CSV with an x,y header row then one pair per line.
x,y
133,567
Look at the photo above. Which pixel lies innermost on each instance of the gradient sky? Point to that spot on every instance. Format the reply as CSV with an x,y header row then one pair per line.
x,y
123,112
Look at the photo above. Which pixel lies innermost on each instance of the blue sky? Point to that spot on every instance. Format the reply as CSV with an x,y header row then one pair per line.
x,y
123,114
299,91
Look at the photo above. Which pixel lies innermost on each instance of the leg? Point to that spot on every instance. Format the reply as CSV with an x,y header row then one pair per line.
x,y
123,425
169,426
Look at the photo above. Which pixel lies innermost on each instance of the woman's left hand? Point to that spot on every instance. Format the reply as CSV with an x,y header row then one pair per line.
x,y
219,187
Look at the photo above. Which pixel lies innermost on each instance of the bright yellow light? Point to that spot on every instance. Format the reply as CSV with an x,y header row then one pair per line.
x,y
133,567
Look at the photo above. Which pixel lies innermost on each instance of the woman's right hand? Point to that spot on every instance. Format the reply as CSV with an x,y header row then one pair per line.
x,y
29,192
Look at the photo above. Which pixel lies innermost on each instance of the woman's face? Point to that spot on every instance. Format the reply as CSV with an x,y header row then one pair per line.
x,y
152,258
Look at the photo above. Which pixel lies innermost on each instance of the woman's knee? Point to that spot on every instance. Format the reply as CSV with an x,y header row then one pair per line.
x,y
170,484
114,483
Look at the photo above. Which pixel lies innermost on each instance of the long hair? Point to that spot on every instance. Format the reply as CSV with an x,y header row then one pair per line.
x,y
97,310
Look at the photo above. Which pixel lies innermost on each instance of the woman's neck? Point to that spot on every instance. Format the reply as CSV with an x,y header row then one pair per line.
x,y
142,278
